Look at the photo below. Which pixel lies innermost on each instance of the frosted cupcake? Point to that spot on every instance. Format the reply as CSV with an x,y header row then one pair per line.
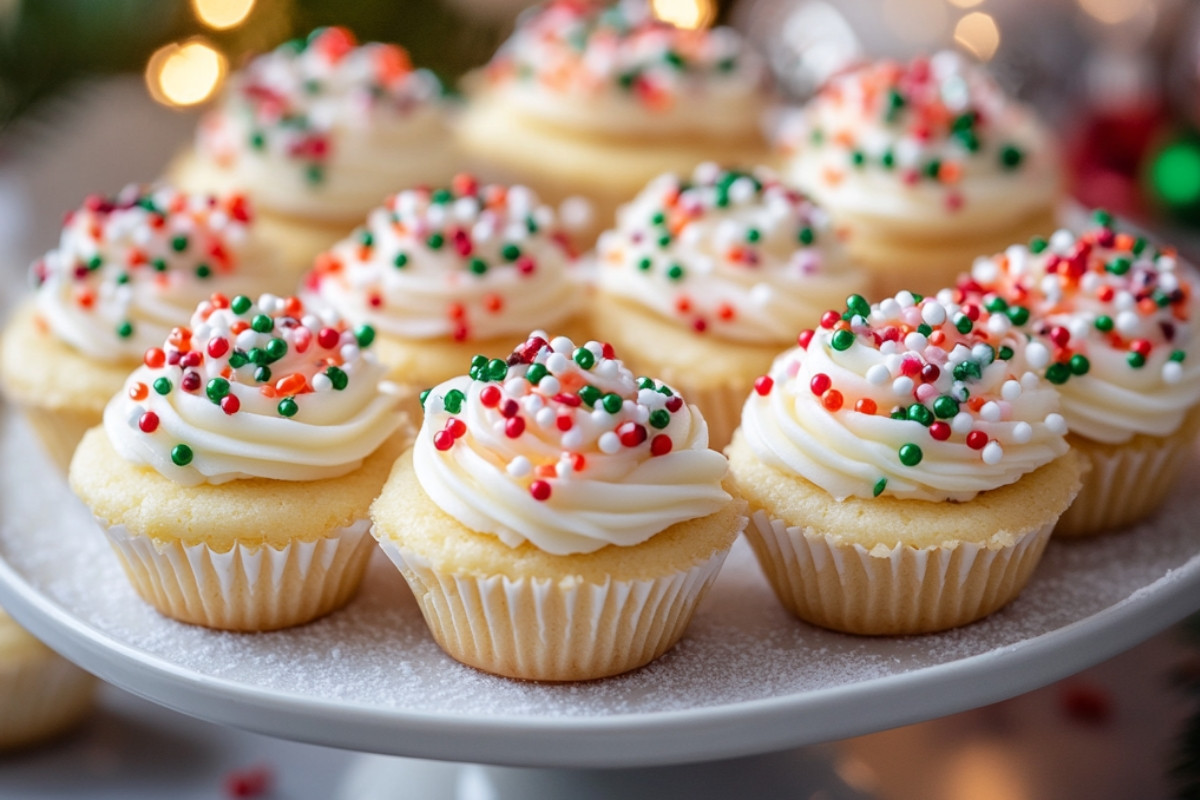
x,y
704,281
556,518
927,164
41,693
444,274
233,475
904,468
1112,317
595,100
317,133
126,271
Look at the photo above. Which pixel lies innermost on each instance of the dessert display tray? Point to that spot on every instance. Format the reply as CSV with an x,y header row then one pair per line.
x,y
746,679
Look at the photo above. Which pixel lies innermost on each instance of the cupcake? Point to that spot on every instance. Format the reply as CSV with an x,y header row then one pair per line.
x,y
234,474
317,133
556,518
41,693
444,274
903,466
592,99
1111,317
704,281
927,164
126,271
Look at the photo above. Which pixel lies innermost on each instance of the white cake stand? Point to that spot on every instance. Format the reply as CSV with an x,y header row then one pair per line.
x,y
747,680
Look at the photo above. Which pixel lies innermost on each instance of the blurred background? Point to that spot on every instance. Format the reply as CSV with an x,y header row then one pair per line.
x,y
111,89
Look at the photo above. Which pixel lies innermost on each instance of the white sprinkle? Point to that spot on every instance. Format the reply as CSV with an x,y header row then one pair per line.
x,y
945,297
135,414
1018,259
270,304
1011,390
962,422
651,399
466,208
247,339
1172,372
761,293
992,453
1030,380
609,442
878,374
998,324
1123,301
1056,424
934,314
902,386
572,439
519,467
1090,282
321,382
983,354
606,369
888,348
905,299
549,386
984,270
1061,242
516,387
915,340
1166,263
545,417
349,353
1127,323
890,308
1037,355
1079,327
990,411
1022,432
557,362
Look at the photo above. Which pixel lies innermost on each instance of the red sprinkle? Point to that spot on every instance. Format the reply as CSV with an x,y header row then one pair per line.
x,y
230,404
540,490
940,431
138,391
866,405
248,783
820,383
977,440
218,347
149,422
832,400
1060,335
631,434
567,399
510,408
763,385
490,396
830,318
456,427
674,403
154,358
564,423
328,338
660,445
1141,347
514,427
191,381
443,440
804,338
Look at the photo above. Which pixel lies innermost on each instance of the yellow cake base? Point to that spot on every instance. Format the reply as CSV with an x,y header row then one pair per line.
x,y
41,694
890,566
714,374
1127,482
524,613
253,554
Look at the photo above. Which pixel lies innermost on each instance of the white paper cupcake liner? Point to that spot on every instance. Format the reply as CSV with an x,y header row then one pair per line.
x,y
41,694
249,587
1124,485
547,630
901,590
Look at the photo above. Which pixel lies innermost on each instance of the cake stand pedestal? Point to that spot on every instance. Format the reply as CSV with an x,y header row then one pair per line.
x,y
747,679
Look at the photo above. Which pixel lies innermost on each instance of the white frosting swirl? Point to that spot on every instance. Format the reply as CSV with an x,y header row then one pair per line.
x,y
1112,316
561,448
875,404
463,263
263,389
911,147
617,70
325,129
130,268
735,254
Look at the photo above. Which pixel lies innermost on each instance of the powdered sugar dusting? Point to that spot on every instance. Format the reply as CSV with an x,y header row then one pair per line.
x,y
377,652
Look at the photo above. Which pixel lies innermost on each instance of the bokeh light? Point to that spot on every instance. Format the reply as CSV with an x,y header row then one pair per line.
x,y
184,74
222,14
977,32
690,14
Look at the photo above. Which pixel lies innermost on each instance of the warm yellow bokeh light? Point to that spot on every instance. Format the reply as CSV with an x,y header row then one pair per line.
x,y
690,14
222,14
1113,12
978,33
185,74
965,3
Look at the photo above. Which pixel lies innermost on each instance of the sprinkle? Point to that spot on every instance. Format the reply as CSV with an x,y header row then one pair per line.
x,y
181,455
910,455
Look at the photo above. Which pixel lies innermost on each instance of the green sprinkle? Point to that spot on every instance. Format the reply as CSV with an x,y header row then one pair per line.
x,y
262,323
162,386
203,271
238,359
535,373
753,235
435,241
276,349
365,238
1079,364
1135,359
899,413
1139,244
675,272
806,236
424,396
1102,217
497,370
314,173
857,158
123,278
933,168
1118,266
1178,355
510,252
125,330
1103,323
583,357
453,401
1058,373
674,59
258,355
531,224
1011,156
645,264
589,394
858,304
441,197
924,329
645,382
179,243
1006,353
1018,315
880,485
478,266
160,265
945,406
996,305
216,389
181,455
1037,245
659,418
337,377
964,324
240,304
287,407
842,339
612,403
263,374
94,263
664,241
364,335
910,455
888,160
257,140
919,413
